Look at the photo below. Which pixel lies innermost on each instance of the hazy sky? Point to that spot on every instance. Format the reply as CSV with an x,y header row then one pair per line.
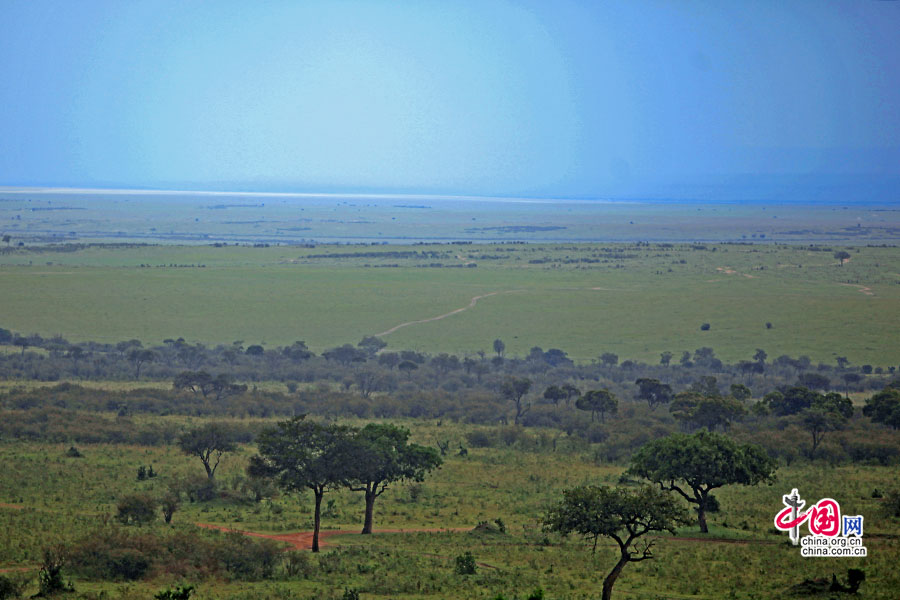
x,y
485,97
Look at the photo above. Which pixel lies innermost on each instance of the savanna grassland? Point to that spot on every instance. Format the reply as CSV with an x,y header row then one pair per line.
x,y
737,279
636,300
69,500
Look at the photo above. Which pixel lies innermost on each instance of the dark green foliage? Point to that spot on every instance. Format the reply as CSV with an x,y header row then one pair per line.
x,y
465,564
127,554
705,327
136,509
350,594
653,391
694,465
598,402
514,389
303,454
248,559
382,455
618,513
297,564
73,452
50,578
182,592
169,504
11,587
884,407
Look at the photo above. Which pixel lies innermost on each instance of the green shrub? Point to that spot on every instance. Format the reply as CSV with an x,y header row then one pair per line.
x,y
11,587
180,593
465,564
297,564
136,509
248,559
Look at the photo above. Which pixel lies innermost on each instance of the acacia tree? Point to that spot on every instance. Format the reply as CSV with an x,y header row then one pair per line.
x,y
301,454
208,443
514,389
621,514
383,455
694,465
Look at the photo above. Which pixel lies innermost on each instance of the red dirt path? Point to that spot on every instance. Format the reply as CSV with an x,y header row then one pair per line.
x,y
302,540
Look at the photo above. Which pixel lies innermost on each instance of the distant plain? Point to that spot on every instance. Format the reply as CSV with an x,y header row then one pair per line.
x,y
583,283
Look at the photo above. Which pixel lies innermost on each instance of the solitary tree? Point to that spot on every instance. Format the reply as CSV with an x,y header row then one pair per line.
x,y
621,514
301,455
138,358
382,455
694,465
208,443
842,255
499,347
665,358
514,389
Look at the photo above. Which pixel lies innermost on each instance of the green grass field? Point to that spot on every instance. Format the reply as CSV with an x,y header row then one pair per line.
x,y
66,498
636,301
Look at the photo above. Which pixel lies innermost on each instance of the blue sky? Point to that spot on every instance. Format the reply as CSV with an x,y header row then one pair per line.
x,y
551,99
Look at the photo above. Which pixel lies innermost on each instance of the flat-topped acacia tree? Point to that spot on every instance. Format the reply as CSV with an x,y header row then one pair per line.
x,y
208,443
694,465
618,513
301,454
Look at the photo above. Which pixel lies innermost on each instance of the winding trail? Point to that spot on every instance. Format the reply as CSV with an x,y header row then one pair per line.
x,y
471,304
862,288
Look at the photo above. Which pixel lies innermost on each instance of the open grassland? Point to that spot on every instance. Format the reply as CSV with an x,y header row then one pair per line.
x,y
634,300
66,499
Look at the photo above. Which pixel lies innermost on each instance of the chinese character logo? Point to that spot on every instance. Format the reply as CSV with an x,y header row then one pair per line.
x,y
823,518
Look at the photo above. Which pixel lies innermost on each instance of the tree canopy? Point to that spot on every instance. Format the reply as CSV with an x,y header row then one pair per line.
x,y
303,454
694,465
383,455
208,443
621,514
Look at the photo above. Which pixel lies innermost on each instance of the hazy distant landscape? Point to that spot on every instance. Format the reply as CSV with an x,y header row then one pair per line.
x,y
44,216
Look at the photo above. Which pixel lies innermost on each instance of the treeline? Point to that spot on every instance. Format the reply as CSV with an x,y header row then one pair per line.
x,y
370,368
616,405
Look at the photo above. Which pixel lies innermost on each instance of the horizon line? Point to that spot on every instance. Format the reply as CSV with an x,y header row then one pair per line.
x,y
359,195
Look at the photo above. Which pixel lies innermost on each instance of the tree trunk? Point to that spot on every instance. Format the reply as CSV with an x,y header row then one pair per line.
x,y
370,509
701,515
611,578
317,520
